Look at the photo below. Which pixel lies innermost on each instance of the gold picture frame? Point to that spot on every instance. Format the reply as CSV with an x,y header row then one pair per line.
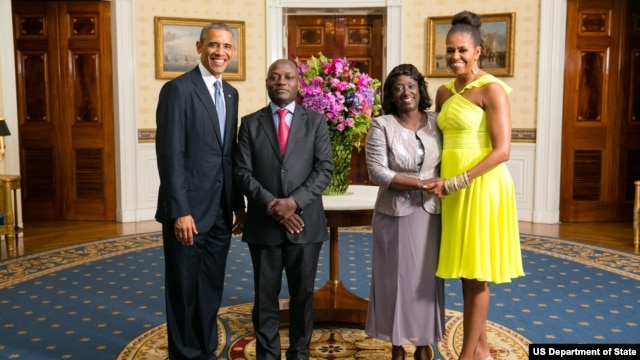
x,y
175,44
497,29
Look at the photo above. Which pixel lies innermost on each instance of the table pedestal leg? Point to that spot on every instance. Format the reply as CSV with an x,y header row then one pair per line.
x,y
333,302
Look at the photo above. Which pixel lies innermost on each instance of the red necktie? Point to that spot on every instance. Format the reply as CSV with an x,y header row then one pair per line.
x,y
283,129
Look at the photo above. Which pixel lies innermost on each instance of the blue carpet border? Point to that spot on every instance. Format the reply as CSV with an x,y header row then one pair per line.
x,y
27,267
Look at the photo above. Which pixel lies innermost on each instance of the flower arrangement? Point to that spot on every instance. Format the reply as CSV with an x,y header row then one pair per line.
x,y
348,99
335,88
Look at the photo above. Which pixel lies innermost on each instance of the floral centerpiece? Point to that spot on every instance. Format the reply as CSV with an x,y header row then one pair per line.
x,y
348,99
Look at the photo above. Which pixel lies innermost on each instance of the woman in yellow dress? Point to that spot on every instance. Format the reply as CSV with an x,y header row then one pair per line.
x,y
480,238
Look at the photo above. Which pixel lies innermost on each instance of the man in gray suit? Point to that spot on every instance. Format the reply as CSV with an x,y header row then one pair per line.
x,y
195,140
285,225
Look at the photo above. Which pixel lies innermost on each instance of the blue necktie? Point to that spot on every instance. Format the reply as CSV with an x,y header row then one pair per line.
x,y
219,107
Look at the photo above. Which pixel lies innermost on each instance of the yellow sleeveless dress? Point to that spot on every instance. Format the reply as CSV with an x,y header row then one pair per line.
x,y
480,237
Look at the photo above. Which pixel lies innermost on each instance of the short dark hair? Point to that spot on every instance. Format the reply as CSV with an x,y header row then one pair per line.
x,y
388,105
217,26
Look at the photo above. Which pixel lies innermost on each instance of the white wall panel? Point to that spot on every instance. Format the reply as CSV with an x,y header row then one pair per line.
x,y
521,166
148,182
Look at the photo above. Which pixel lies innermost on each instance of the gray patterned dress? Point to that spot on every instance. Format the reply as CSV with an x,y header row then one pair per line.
x,y
406,301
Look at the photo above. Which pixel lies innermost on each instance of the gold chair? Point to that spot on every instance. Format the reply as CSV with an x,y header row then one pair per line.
x,y
7,220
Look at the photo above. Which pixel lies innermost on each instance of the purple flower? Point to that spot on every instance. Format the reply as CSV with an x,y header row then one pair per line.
x,y
302,68
311,90
315,102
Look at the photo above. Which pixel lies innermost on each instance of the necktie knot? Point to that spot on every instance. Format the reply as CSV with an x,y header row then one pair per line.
x,y
282,113
283,129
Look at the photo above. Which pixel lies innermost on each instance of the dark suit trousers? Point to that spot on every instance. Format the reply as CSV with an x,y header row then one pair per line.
x,y
194,278
300,262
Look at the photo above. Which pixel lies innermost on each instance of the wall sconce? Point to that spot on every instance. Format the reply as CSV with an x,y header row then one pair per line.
x,y
4,131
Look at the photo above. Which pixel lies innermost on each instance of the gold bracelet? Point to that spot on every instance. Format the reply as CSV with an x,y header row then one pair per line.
x,y
457,183
447,186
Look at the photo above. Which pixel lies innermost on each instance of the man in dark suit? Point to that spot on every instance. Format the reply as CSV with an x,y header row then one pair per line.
x,y
285,224
197,200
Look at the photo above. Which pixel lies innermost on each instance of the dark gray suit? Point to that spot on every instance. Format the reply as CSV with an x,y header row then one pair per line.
x,y
195,171
264,175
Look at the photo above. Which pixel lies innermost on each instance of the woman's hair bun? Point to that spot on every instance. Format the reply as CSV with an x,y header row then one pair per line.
x,y
467,18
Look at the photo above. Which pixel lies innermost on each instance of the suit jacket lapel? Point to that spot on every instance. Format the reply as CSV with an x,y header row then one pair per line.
x,y
268,126
297,124
229,104
204,95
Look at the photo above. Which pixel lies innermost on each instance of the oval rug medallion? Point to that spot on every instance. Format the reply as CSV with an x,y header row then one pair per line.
x,y
152,345
327,341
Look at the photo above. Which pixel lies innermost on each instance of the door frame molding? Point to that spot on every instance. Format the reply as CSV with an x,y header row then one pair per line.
x,y
124,102
553,28
9,105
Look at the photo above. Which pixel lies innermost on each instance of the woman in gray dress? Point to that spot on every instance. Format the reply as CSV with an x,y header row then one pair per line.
x,y
406,301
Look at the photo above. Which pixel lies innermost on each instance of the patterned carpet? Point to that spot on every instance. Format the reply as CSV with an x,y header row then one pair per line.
x,y
104,300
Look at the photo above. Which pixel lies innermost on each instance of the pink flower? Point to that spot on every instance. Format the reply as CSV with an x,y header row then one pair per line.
x,y
363,81
339,85
326,68
338,66
349,122
318,81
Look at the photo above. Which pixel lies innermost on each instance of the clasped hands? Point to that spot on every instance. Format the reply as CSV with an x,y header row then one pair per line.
x,y
283,210
434,186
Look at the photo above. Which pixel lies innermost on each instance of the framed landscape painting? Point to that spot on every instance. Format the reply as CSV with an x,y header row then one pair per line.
x,y
498,33
175,43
